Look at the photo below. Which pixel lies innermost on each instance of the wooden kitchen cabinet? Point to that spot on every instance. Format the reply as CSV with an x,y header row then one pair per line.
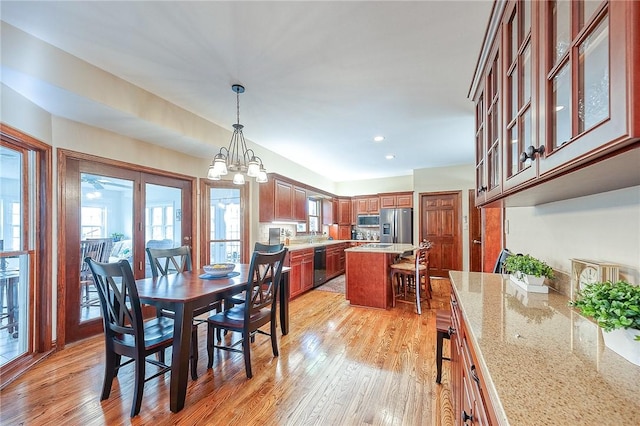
x,y
396,200
344,211
557,94
344,232
301,274
282,201
470,404
329,211
335,260
368,204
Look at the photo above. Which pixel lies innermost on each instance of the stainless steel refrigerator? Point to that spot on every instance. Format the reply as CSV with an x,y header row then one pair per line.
x,y
396,226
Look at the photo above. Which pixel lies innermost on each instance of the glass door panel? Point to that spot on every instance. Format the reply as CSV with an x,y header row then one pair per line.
x,y
163,219
225,225
106,231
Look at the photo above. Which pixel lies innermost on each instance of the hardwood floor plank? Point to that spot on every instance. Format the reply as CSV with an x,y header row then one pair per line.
x,y
339,365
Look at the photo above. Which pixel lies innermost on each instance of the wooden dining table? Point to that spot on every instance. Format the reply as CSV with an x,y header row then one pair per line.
x,y
182,293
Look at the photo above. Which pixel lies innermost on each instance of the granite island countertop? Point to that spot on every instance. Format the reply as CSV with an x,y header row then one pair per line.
x,y
378,247
544,363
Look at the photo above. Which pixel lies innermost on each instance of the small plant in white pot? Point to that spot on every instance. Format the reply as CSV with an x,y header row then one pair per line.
x,y
616,309
528,272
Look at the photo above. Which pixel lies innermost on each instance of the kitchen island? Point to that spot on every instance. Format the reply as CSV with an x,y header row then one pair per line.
x,y
367,273
537,361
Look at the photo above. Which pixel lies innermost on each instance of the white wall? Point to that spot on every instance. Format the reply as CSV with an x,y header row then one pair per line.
x,y
603,227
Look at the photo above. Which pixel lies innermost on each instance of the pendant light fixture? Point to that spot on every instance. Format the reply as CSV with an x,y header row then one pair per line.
x,y
237,158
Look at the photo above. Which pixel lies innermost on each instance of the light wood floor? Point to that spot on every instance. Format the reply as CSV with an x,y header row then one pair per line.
x,y
339,365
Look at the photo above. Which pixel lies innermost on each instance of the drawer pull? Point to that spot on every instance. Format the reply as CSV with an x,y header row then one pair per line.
x,y
451,331
454,302
474,374
466,417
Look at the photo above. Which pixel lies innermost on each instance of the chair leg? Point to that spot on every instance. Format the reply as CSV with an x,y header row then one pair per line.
x,y
210,345
110,371
138,386
246,349
194,354
274,338
417,285
439,340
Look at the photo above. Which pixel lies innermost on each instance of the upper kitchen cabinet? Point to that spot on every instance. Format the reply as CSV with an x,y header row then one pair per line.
x,y
329,211
344,211
396,200
368,204
282,201
557,94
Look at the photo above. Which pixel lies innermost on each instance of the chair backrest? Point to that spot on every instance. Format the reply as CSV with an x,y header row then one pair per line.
x,y
121,310
422,256
265,271
105,252
499,266
170,260
93,249
268,248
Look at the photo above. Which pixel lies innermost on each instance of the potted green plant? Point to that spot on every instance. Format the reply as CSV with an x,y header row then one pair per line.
x,y
528,272
615,306
117,236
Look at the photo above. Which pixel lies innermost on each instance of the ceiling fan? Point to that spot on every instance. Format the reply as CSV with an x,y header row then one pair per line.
x,y
99,182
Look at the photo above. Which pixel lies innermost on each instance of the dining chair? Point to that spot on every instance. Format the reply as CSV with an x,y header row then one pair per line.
x,y
94,249
237,299
176,260
259,308
499,266
410,282
126,333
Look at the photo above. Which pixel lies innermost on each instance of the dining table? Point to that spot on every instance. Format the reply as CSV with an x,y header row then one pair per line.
x,y
185,291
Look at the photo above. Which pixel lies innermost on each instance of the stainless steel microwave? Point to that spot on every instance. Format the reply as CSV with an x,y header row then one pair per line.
x,y
368,220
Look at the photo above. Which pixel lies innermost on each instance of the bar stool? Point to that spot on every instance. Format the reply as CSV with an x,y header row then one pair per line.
x,y
410,280
443,330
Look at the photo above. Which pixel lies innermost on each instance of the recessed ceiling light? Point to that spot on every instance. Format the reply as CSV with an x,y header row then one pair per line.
x,y
389,156
378,138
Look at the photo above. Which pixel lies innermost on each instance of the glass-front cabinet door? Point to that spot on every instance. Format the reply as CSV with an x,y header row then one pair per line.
x,y
584,85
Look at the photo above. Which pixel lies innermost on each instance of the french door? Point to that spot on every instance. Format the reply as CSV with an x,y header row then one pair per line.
x,y
112,212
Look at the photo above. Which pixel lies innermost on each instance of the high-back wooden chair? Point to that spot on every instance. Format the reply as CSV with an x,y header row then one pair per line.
x,y
94,249
259,308
176,260
126,333
410,282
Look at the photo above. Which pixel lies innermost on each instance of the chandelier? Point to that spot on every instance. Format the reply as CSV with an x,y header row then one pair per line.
x,y
237,159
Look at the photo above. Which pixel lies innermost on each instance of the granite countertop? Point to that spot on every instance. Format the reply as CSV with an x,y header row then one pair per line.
x,y
544,364
378,247
302,246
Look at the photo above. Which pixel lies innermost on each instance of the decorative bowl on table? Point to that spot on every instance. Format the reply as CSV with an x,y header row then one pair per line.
x,y
219,269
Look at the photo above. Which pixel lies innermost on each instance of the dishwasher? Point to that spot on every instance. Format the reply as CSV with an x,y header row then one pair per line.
x,y
319,266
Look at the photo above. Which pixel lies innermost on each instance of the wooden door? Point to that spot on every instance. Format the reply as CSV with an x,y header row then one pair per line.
x,y
475,235
492,238
440,221
115,197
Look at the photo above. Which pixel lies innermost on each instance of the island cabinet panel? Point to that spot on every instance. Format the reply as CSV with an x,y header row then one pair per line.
x,y
557,94
396,200
367,278
469,395
301,274
282,201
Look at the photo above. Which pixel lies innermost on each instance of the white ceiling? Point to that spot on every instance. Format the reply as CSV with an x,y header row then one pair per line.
x,y
322,78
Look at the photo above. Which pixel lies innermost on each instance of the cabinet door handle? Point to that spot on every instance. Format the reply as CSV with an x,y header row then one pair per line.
x,y
477,242
451,331
474,374
466,417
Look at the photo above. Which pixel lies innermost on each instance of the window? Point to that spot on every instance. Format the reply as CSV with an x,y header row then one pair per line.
x,y
314,208
160,223
93,222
